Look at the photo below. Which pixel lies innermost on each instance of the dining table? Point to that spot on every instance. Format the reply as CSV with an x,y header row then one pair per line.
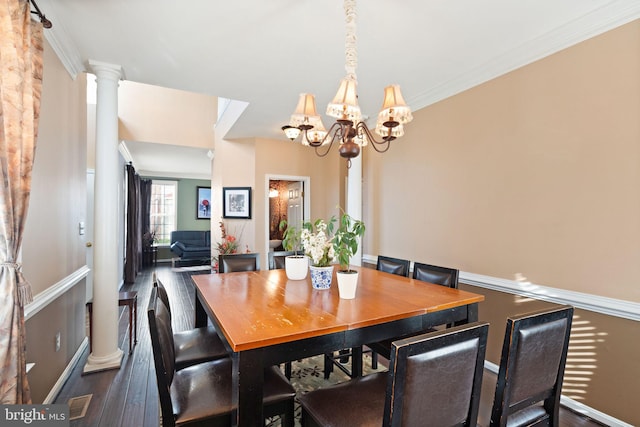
x,y
264,319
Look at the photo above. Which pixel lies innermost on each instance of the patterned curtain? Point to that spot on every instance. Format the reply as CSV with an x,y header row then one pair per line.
x,y
20,88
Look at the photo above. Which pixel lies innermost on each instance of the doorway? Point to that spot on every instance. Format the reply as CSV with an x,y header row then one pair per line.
x,y
288,198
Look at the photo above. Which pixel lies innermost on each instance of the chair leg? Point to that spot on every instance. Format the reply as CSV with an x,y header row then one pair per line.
x,y
356,362
288,418
287,370
374,360
328,365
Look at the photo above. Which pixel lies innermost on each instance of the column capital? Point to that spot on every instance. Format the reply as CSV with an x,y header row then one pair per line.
x,y
105,70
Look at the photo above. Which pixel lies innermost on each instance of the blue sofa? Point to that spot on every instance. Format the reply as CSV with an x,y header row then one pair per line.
x,y
191,245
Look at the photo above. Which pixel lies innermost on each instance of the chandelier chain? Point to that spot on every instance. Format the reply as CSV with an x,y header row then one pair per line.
x,y
351,40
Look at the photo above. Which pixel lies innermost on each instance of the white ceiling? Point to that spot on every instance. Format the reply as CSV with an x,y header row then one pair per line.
x,y
168,161
266,53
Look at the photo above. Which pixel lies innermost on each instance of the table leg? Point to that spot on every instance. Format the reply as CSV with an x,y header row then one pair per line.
x,y
247,389
202,319
472,312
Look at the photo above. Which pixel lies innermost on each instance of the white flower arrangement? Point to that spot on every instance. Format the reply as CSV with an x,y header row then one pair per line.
x,y
317,244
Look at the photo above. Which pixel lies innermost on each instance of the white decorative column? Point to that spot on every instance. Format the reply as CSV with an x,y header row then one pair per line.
x,y
354,198
105,353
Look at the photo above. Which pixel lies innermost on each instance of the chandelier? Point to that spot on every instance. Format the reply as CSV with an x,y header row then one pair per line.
x,y
349,129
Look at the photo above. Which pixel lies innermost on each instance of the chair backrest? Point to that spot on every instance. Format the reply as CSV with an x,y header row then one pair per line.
x,y
163,352
162,294
393,265
534,354
238,262
435,379
276,259
435,274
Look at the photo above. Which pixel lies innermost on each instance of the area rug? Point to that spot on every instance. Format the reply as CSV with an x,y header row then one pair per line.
x,y
308,374
191,268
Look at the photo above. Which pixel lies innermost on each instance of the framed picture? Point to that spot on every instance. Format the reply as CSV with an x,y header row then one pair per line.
x,y
203,203
236,202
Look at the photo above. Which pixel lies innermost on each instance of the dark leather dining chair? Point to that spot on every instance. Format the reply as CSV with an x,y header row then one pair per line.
x,y
393,265
434,380
201,394
529,382
438,275
238,262
276,259
387,264
444,276
195,345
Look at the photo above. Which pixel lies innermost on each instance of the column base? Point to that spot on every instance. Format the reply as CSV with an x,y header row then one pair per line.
x,y
97,364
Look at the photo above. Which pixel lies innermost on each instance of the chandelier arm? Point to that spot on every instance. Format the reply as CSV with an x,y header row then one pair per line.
x,y
305,135
333,139
384,144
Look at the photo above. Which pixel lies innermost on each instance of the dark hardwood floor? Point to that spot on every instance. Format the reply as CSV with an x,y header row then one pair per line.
x,y
128,396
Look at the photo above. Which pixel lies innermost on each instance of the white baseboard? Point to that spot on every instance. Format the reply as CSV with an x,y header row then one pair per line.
x,y
53,393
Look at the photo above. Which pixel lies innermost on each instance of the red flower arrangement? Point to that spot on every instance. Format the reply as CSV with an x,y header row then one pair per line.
x,y
228,244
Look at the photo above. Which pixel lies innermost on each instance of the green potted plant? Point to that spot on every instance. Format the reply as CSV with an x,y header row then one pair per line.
x,y
296,265
345,245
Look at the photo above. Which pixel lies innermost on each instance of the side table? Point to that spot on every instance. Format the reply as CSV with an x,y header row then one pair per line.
x,y
149,256
128,299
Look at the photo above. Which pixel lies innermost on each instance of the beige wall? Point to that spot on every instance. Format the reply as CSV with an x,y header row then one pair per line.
x,y
52,247
233,166
534,174
292,159
166,116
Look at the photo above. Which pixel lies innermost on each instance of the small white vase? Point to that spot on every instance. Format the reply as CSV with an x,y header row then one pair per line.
x,y
347,284
296,267
321,277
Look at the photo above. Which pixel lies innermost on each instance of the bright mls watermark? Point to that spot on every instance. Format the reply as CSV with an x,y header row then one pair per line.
x,y
34,415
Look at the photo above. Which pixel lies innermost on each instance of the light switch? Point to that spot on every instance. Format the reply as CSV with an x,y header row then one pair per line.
x,y
81,228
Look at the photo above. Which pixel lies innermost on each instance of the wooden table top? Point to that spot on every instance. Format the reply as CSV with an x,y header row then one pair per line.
x,y
262,308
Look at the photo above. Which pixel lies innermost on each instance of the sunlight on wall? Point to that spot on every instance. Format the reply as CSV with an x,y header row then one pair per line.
x,y
582,356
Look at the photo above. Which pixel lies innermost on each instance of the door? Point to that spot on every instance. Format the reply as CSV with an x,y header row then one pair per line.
x,y
295,207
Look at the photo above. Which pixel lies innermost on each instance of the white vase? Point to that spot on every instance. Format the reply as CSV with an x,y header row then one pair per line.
x,y
296,267
321,277
347,283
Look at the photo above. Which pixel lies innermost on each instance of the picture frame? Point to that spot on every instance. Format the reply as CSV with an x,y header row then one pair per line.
x,y
236,202
203,203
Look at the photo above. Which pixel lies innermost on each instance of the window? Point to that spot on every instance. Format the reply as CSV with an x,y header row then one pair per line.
x,y
164,199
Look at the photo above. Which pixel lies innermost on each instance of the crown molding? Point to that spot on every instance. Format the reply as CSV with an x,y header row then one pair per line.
x,y
614,14
63,46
